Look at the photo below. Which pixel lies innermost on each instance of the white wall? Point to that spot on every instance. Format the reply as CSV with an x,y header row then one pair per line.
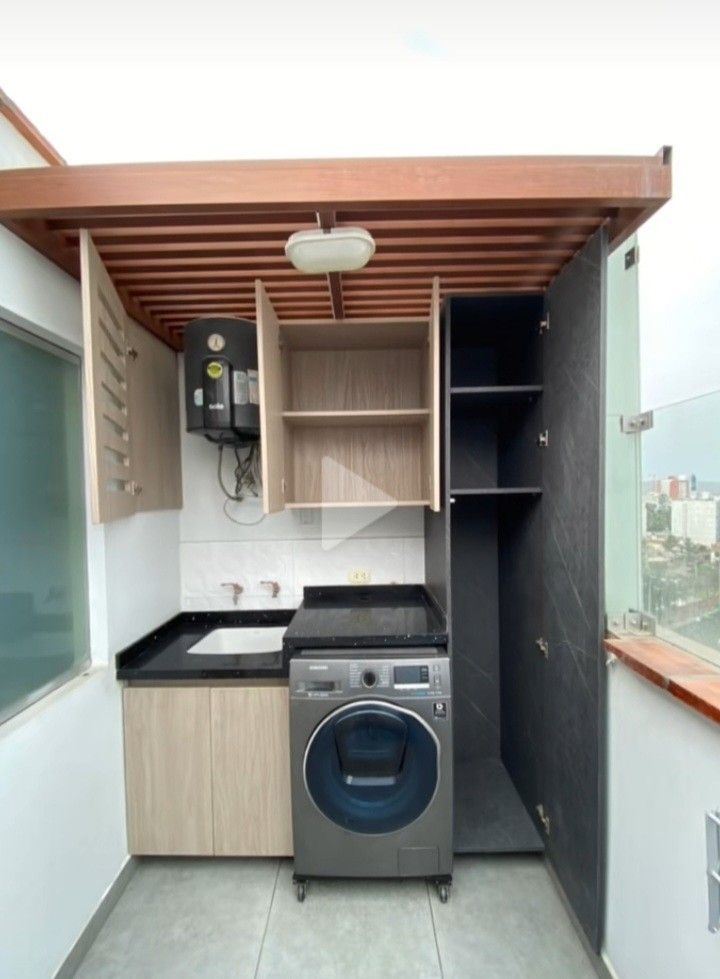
x,y
292,548
62,807
665,774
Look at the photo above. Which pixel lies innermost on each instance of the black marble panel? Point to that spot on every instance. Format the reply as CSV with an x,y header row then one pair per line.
x,y
474,643
522,667
573,405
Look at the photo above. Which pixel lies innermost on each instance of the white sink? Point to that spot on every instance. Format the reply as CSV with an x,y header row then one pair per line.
x,y
240,641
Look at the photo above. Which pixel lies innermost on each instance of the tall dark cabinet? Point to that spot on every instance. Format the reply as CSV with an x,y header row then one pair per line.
x,y
515,557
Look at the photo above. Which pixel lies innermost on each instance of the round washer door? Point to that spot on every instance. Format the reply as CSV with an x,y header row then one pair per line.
x,y
372,767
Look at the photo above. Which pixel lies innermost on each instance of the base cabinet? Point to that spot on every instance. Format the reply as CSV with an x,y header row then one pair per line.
x,y
168,771
251,771
207,770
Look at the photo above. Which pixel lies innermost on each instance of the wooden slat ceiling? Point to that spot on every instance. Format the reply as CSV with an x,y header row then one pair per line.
x,y
188,240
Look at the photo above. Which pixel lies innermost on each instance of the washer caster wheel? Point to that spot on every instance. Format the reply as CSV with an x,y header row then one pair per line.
x,y
301,888
443,893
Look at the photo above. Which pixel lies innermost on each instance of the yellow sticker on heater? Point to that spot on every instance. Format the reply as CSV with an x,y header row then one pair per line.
x,y
214,370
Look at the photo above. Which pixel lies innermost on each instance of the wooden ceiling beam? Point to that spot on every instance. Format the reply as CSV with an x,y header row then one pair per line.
x,y
326,221
85,191
230,246
144,229
385,260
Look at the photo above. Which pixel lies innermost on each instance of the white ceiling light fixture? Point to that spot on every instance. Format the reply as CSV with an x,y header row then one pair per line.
x,y
336,250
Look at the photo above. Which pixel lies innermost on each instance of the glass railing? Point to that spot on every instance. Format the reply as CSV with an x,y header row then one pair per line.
x,y
680,524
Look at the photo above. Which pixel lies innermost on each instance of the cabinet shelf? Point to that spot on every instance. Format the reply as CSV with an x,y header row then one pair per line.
x,y
471,397
498,491
381,416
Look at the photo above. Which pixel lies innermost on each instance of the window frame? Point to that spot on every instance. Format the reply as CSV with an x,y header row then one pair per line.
x,y
82,665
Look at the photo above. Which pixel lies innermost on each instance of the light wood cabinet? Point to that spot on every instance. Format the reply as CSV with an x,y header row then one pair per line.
x,y
207,770
251,771
131,403
349,410
168,770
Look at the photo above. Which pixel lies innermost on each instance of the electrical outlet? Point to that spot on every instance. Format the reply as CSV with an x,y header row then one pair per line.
x,y
359,576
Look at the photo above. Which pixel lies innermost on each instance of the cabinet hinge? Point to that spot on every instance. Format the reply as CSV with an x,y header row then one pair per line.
x,y
632,257
282,487
631,424
631,623
544,326
712,830
542,645
134,488
543,439
544,818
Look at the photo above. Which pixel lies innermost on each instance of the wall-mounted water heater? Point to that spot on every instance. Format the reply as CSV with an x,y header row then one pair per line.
x,y
221,380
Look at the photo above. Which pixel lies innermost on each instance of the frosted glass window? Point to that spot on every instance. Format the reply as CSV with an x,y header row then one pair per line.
x,y
43,563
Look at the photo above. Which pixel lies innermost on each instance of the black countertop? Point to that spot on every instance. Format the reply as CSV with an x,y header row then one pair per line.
x,y
333,617
163,654
349,617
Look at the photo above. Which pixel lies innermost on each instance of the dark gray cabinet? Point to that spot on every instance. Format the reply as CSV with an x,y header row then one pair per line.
x,y
515,556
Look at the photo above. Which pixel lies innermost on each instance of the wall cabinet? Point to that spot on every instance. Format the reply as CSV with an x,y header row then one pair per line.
x,y
131,403
349,410
207,770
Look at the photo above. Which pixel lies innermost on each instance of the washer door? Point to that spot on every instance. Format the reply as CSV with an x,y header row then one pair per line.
x,y
372,767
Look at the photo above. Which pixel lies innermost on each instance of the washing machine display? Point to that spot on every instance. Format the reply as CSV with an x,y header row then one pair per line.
x,y
372,767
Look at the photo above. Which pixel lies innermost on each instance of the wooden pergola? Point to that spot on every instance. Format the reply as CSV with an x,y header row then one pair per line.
x,y
182,240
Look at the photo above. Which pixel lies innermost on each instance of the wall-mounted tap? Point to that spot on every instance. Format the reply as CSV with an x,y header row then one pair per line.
x,y
274,587
237,590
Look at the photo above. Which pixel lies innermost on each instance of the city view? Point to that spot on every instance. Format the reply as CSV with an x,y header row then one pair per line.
x,y
681,556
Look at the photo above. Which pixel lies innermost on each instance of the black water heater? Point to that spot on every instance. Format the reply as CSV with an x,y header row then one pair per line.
x,y
221,379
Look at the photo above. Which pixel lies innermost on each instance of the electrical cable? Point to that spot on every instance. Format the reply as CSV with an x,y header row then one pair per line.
x,y
247,477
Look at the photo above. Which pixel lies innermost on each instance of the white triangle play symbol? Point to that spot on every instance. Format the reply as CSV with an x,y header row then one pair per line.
x,y
340,523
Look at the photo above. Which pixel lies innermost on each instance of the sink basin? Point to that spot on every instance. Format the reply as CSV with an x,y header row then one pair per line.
x,y
240,641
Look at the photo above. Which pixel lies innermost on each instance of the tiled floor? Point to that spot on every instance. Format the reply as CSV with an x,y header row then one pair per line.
x,y
216,919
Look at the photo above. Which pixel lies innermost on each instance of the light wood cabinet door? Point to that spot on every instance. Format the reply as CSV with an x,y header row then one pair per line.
x,y
168,770
272,427
251,771
131,402
154,412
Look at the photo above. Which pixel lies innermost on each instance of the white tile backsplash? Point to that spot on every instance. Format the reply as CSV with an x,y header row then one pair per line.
x,y
205,567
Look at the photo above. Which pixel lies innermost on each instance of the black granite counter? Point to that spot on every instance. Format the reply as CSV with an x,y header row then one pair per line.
x,y
163,654
350,617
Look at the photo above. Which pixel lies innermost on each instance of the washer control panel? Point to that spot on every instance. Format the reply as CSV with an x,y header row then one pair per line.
x,y
392,675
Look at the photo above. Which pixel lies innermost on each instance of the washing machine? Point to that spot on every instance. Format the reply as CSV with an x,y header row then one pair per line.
x,y
371,760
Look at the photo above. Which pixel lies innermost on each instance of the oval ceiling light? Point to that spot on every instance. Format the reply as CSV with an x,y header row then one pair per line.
x,y
336,250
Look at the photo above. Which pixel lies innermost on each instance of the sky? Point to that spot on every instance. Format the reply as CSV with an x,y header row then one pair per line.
x,y
131,81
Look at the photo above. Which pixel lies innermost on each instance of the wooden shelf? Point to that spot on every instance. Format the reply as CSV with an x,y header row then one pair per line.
x,y
468,397
399,416
498,491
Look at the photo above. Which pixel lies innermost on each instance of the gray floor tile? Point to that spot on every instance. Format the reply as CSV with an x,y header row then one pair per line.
x,y
186,918
347,929
504,920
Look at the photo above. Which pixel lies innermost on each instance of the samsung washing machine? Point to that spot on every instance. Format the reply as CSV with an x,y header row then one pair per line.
x,y
371,758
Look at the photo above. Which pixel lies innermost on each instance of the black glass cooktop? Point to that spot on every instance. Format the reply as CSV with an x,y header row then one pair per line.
x,y
336,617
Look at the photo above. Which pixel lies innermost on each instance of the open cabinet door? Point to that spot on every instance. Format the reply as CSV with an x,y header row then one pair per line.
x,y
106,389
573,775
272,431
434,393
